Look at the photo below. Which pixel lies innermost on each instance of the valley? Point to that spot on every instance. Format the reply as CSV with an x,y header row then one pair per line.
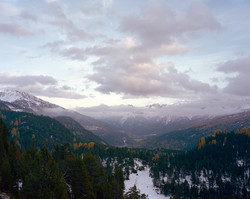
x,y
196,157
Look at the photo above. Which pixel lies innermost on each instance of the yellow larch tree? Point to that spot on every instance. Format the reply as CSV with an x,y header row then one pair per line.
x,y
214,141
18,144
75,146
13,132
201,143
91,145
217,132
16,123
80,144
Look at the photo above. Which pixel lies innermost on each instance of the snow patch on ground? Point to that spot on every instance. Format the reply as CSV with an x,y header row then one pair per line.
x,y
15,109
144,183
20,184
240,163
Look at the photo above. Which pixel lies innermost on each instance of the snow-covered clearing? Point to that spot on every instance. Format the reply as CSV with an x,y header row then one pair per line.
x,y
144,183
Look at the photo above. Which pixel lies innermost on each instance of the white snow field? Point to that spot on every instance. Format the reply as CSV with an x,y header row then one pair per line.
x,y
144,183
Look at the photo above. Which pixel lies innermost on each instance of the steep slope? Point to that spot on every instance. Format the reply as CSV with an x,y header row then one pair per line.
x,y
79,132
189,137
24,102
26,128
20,101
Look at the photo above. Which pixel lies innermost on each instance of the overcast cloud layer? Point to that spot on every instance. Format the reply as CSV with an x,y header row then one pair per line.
x,y
118,52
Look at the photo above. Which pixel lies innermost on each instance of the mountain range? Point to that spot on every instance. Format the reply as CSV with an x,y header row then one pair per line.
x,y
152,126
24,102
186,139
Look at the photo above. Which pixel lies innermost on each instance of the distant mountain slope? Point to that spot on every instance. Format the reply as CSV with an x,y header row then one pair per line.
x,y
20,101
188,138
157,125
109,133
156,119
79,132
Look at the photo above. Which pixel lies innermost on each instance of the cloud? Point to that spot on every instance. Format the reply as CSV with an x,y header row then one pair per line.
x,y
14,30
26,80
240,65
239,84
50,15
7,9
38,85
10,10
56,16
144,79
212,105
60,92
28,16
107,3
157,23
130,66
93,9
73,53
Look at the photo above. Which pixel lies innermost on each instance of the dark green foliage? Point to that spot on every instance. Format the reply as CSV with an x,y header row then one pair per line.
x,y
133,193
4,134
36,174
219,169
96,174
119,182
7,160
40,175
46,131
74,172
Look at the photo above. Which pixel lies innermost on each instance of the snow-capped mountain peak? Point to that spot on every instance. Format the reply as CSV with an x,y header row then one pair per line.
x,y
9,95
24,100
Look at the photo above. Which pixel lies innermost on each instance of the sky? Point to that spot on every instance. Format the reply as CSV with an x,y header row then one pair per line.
x,y
91,52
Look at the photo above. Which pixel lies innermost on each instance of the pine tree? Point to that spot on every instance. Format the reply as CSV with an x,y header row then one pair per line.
x,y
119,178
5,167
134,193
96,174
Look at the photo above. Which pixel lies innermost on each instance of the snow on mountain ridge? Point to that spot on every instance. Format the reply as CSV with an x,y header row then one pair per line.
x,y
10,95
24,100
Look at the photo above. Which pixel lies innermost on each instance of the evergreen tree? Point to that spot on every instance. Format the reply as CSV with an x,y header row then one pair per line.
x,y
134,193
96,174
119,181
40,175
7,156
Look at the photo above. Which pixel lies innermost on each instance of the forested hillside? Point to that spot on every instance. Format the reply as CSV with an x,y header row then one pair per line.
x,y
78,131
45,131
218,168
38,173
42,130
